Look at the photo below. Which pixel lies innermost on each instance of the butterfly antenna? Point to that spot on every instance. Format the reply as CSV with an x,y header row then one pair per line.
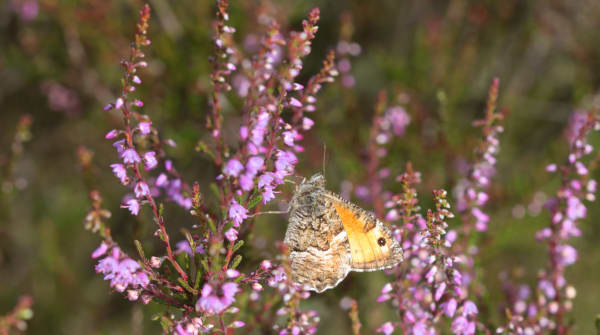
x,y
290,181
270,212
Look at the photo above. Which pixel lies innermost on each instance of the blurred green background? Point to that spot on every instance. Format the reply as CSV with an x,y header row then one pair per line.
x,y
59,62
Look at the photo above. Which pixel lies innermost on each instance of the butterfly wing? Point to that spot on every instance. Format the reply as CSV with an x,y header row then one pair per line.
x,y
319,249
372,244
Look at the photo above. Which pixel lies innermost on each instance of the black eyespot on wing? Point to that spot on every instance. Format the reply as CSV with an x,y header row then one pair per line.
x,y
381,241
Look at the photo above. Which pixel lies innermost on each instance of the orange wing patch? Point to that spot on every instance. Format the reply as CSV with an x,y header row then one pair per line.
x,y
369,249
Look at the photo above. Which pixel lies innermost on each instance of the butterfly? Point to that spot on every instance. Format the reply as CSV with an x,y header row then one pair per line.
x,y
327,237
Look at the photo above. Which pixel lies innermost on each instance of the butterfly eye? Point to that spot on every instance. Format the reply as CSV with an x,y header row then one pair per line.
x,y
381,241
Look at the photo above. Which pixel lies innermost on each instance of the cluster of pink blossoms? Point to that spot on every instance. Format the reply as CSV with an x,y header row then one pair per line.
x,y
429,284
123,272
554,296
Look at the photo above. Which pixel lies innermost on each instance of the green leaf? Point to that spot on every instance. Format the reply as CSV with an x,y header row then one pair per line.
x,y
140,250
187,287
598,324
238,245
254,201
236,261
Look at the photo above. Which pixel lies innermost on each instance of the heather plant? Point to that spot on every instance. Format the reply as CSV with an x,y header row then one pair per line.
x,y
199,280
201,150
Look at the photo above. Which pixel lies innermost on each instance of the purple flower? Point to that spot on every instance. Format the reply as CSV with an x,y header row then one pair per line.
x,y
469,308
141,189
295,103
285,161
575,208
145,127
162,180
111,134
244,132
237,213
462,326
399,119
231,234
133,206
568,254
255,163
450,307
265,180
440,291
258,132
547,288
386,328
120,146
130,156
213,302
119,103
101,250
150,160
307,123
184,246
246,182
233,167
288,138
120,172
268,194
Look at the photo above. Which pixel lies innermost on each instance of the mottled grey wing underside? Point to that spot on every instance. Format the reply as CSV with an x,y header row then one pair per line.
x,y
319,249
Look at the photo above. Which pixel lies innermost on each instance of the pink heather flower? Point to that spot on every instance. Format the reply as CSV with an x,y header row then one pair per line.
x,y
288,138
392,215
551,167
145,127
237,324
101,250
386,328
120,146
285,161
184,246
307,123
295,103
119,103
255,163
162,180
462,326
136,80
141,189
111,134
399,119
258,132
120,172
150,160
130,156
548,289
231,234
231,273
246,182
450,307
133,206
568,254
266,264
237,213
265,180
440,291
233,167
211,302
244,132
575,208
268,194
469,308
